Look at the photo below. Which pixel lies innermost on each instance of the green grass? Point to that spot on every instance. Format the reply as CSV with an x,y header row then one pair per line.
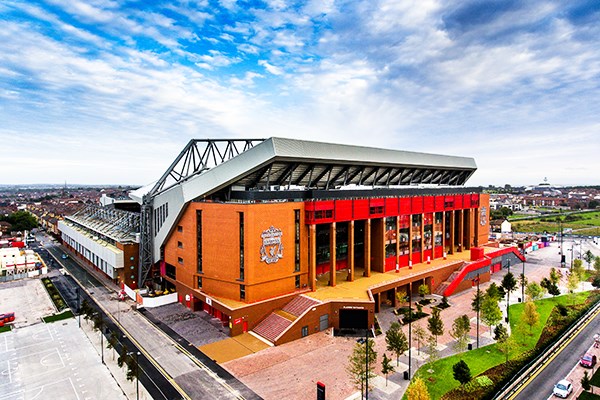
x,y
58,317
482,359
588,396
588,223
5,328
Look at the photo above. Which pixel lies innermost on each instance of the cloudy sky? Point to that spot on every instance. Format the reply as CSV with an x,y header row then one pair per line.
x,y
110,91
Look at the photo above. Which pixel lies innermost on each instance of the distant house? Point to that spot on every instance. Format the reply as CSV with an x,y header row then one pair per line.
x,y
5,227
505,227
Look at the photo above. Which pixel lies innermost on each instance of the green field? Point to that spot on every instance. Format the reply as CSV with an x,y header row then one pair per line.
x,y
58,317
479,360
585,223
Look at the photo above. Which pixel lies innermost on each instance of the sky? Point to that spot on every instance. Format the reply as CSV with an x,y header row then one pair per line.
x,y
110,91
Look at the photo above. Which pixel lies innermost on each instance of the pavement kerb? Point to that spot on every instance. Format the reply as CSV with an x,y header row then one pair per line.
x,y
138,345
555,354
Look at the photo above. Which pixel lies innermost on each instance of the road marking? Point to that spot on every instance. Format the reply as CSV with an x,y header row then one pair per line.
x,y
553,356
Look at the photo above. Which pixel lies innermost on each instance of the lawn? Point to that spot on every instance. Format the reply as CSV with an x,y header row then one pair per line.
x,y
58,317
587,223
588,396
480,360
5,328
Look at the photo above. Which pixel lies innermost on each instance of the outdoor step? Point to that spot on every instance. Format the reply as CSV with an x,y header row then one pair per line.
x,y
272,326
298,305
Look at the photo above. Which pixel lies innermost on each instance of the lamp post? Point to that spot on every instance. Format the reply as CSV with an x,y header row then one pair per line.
x,y
478,306
137,373
78,307
507,296
523,278
367,364
562,256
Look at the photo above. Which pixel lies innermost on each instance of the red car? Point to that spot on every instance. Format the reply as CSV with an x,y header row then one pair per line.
x,y
588,360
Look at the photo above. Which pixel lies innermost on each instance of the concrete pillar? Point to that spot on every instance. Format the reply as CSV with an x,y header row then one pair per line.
x,y
351,251
312,257
332,256
451,222
422,238
397,247
367,251
477,212
443,231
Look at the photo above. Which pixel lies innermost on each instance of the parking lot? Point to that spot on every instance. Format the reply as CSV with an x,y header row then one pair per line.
x,y
47,361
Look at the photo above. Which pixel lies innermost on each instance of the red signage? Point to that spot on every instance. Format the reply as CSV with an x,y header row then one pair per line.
x,y
237,321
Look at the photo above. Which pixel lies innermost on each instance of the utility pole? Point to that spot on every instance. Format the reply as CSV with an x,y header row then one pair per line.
x,y
409,330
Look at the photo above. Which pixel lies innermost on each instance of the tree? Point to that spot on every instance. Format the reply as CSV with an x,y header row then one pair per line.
x,y
490,311
507,346
21,221
432,349
534,291
597,265
132,367
420,335
588,256
423,290
509,283
435,323
572,283
461,372
579,270
554,276
401,296
418,390
476,306
396,341
586,384
122,356
113,339
523,281
551,287
530,315
386,367
356,367
493,291
500,333
460,332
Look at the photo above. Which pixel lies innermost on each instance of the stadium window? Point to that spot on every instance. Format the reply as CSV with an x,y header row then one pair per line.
x,y
199,240
199,282
242,292
179,228
180,245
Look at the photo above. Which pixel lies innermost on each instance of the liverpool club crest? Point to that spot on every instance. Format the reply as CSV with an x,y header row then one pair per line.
x,y
483,216
272,248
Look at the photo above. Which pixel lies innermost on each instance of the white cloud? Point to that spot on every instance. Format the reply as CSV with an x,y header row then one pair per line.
x,y
270,68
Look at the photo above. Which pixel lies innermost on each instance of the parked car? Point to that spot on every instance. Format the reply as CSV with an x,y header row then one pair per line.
x,y
563,388
587,360
64,256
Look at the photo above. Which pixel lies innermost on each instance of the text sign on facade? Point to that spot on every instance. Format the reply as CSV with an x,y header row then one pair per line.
x,y
483,216
272,247
209,301
237,321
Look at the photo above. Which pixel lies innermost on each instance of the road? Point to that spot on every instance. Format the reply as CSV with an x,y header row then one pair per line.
x,y
192,376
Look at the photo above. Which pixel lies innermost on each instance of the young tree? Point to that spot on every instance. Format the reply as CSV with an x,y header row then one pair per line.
x,y
490,312
588,256
554,276
131,368
597,265
530,315
476,306
420,335
357,368
418,390
122,356
551,287
509,283
396,341
507,346
494,292
579,270
500,333
432,350
423,290
461,372
534,291
386,367
401,296
586,383
435,323
572,284
460,332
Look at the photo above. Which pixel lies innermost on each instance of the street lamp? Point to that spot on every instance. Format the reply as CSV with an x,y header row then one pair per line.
x,y
101,335
507,295
478,306
523,277
137,372
78,307
409,329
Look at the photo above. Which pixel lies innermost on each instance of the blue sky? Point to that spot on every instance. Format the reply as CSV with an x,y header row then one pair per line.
x,y
107,91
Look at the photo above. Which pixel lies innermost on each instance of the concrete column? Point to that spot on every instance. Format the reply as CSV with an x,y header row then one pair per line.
x,y
351,250
312,257
367,245
332,257
477,212
422,237
443,232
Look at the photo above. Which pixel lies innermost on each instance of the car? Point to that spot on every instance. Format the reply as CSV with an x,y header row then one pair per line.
x,y
64,256
563,388
588,360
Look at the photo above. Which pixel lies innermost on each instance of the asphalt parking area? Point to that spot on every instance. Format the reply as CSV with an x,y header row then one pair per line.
x,y
52,361
28,299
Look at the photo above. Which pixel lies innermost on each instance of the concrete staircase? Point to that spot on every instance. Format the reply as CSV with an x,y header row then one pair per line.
x,y
444,285
276,323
